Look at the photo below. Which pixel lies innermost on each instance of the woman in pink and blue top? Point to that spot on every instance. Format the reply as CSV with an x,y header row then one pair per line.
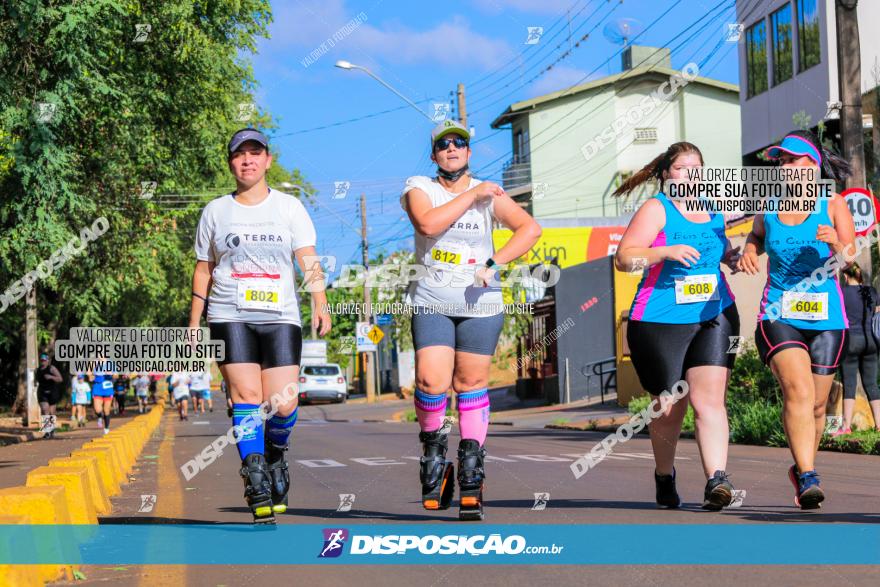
x,y
681,322
802,324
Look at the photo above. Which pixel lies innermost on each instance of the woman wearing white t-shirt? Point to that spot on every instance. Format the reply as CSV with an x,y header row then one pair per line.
x,y
200,387
180,391
245,245
457,309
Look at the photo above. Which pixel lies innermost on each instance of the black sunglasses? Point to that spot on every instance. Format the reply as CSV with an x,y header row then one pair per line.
x,y
442,144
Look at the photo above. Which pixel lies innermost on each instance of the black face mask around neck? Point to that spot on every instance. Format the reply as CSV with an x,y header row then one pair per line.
x,y
451,175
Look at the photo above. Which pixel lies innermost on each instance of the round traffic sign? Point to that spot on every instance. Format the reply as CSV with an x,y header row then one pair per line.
x,y
863,206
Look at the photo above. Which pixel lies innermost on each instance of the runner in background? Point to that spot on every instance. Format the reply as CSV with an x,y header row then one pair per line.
x,y
200,386
801,333
456,324
861,303
141,391
170,396
681,322
102,394
120,390
247,244
225,389
48,393
154,386
80,399
180,391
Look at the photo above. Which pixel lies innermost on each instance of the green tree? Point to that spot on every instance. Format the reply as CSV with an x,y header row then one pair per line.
x,y
93,104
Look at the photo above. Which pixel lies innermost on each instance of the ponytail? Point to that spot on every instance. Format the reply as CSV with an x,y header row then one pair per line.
x,y
654,170
833,165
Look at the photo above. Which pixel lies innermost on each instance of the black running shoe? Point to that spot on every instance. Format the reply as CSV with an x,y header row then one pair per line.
x,y
667,496
718,493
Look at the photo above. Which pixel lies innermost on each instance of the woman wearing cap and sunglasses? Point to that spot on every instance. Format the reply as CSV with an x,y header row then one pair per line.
x,y
802,324
246,243
457,309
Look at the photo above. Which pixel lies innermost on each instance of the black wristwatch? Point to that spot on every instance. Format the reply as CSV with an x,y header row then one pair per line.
x,y
490,262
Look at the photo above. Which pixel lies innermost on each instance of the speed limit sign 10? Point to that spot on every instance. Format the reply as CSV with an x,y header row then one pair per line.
x,y
863,207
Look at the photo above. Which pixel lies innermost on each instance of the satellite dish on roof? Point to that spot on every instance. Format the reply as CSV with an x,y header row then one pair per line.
x,y
620,31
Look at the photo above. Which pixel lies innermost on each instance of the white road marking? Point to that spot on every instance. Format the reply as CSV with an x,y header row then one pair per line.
x,y
517,458
374,461
319,463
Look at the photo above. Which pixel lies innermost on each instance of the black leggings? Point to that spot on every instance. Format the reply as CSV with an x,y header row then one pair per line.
x,y
860,359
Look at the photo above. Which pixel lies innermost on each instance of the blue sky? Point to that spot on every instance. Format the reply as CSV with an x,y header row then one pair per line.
x,y
423,50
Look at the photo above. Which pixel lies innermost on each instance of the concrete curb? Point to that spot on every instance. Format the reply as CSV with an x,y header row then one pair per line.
x,y
100,500
75,481
17,437
74,490
597,425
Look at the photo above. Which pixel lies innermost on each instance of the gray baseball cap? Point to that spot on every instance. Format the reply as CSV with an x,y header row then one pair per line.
x,y
247,134
449,126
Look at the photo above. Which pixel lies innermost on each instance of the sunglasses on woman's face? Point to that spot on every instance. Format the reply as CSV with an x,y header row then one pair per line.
x,y
443,144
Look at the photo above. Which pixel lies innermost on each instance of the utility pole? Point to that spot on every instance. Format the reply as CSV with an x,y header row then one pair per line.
x,y
369,367
462,108
314,324
849,78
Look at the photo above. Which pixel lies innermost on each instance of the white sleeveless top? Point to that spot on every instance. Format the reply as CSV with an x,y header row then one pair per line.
x,y
453,257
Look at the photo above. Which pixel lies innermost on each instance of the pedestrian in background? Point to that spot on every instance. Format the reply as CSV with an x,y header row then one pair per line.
x,y
120,390
861,303
80,396
48,391
179,384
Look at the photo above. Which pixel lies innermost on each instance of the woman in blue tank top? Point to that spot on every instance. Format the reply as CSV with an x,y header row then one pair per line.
x,y
681,322
801,332
102,396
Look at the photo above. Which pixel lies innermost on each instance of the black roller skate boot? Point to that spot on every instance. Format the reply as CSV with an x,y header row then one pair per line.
x,y
257,488
279,476
436,473
470,479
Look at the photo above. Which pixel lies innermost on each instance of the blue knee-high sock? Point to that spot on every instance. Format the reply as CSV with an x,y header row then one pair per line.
x,y
250,435
279,428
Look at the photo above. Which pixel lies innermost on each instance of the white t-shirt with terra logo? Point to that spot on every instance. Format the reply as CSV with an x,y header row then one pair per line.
x,y
252,248
453,257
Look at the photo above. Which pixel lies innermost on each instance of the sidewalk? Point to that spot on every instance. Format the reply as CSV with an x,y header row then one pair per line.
x,y
585,414
16,460
357,409
507,410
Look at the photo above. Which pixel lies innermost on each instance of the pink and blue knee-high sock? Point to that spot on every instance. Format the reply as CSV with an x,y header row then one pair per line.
x,y
430,410
473,414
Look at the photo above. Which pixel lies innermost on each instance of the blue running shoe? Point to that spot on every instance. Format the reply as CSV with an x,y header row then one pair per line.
x,y
810,495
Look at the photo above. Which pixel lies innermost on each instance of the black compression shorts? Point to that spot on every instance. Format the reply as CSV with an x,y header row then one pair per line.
x,y
269,345
662,353
825,347
469,334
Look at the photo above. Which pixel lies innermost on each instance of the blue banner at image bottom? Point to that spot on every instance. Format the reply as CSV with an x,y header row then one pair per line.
x,y
530,544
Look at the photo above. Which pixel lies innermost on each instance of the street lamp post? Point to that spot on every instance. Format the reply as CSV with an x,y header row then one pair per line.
x,y
342,64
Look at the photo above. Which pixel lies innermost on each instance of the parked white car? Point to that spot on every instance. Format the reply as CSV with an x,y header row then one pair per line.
x,y
322,383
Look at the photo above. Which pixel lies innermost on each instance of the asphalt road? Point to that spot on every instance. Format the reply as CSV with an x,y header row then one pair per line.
x,y
377,462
